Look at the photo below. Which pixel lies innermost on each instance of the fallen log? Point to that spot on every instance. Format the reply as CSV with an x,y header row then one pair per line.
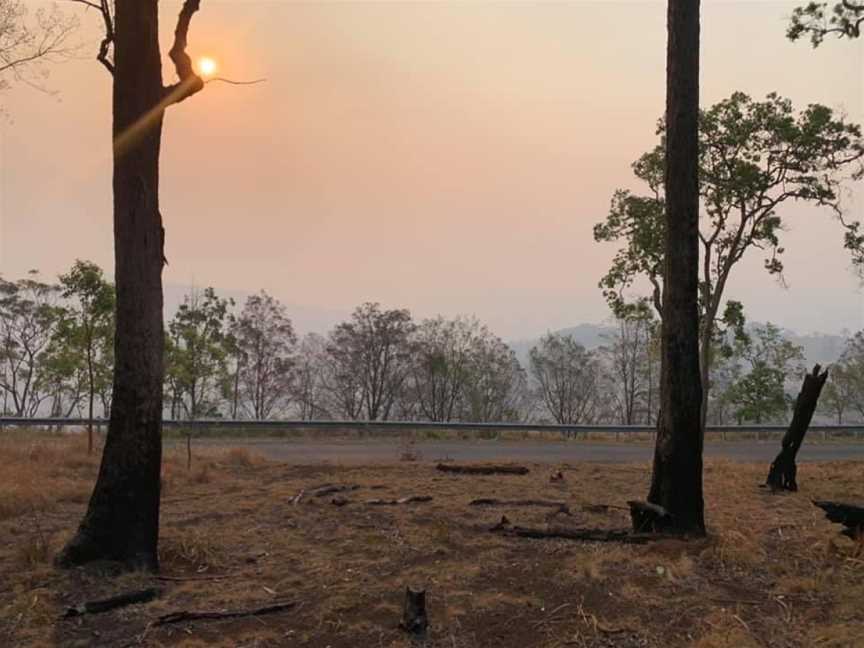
x,y
624,536
848,515
483,470
187,615
483,501
104,605
783,471
414,499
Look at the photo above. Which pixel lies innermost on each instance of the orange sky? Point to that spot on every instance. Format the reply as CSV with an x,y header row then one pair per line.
x,y
445,157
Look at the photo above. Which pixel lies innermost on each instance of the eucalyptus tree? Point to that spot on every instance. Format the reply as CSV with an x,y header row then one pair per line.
x,y
29,316
676,478
122,518
497,388
263,338
87,329
631,357
568,378
196,353
755,158
369,361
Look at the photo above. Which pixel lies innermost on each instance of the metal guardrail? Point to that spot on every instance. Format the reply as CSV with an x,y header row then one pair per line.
x,y
215,424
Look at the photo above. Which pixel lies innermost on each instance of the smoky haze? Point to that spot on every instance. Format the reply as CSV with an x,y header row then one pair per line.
x,y
447,158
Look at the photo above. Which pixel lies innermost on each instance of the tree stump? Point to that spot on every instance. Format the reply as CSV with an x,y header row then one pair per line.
x,y
782,473
414,619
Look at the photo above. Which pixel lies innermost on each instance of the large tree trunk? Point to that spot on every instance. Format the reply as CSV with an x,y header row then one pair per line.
x,y
122,520
782,473
676,484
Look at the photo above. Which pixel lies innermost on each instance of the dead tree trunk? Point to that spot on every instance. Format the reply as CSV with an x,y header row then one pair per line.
x,y
676,483
122,519
782,473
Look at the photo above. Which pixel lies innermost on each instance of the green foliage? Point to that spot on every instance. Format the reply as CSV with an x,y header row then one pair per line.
x,y
760,394
196,354
844,19
754,157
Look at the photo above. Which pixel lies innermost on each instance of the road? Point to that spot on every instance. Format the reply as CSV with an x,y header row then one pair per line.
x,y
386,450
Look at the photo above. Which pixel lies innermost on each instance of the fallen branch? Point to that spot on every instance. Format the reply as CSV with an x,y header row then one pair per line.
x,y
560,506
187,615
97,607
483,470
329,489
624,536
602,508
402,500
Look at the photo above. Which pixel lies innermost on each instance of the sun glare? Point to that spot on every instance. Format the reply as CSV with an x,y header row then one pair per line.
x,y
206,66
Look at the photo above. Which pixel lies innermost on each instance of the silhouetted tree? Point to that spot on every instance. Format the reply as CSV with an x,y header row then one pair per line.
x,y
122,519
676,481
265,342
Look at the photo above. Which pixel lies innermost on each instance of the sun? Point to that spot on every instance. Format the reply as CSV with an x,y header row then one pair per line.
x,y
206,66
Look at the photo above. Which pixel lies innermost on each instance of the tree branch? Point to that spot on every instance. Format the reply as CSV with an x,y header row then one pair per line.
x,y
189,83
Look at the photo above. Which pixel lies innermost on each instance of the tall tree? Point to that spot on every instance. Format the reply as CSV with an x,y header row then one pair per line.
x,y
89,326
755,158
631,356
567,376
441,367
369,361
266,344
844,20
676,482
122,519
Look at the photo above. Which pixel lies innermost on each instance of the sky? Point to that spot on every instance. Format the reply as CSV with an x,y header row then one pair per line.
x,y
446,157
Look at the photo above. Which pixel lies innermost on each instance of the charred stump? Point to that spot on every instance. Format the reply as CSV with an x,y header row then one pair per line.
x,y
414,620
782,473
848,515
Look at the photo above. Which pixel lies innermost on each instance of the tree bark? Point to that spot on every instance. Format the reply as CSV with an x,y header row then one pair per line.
x,y
122,520
781,475
676,483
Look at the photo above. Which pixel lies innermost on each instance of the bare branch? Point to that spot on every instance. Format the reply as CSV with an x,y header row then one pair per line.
x,y
104,10
189,83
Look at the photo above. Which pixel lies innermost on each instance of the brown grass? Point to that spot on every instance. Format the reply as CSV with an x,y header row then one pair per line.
x,y
772,571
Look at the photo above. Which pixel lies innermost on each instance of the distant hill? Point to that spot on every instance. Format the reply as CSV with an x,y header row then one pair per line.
x,y
588,335
822,348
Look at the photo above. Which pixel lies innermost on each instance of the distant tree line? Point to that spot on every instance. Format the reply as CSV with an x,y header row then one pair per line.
x,y
247,362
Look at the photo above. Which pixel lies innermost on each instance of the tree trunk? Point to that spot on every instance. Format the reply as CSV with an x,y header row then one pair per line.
x,y
122,520
676,483
781,475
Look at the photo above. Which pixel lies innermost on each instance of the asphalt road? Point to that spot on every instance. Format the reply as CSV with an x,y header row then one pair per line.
x,y
384,451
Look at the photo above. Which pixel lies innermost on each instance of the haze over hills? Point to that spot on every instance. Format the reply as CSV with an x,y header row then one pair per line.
x,y
822,348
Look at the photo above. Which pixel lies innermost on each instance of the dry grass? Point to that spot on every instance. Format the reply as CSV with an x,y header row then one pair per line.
x,y
772,572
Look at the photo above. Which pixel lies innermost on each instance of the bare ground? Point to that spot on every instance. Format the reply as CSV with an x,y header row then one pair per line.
x,y
772,572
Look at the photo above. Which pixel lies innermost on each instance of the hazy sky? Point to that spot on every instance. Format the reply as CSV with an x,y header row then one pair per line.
x,y
445,157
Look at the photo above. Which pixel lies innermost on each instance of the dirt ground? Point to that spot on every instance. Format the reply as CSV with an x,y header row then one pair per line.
x,y
772,572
